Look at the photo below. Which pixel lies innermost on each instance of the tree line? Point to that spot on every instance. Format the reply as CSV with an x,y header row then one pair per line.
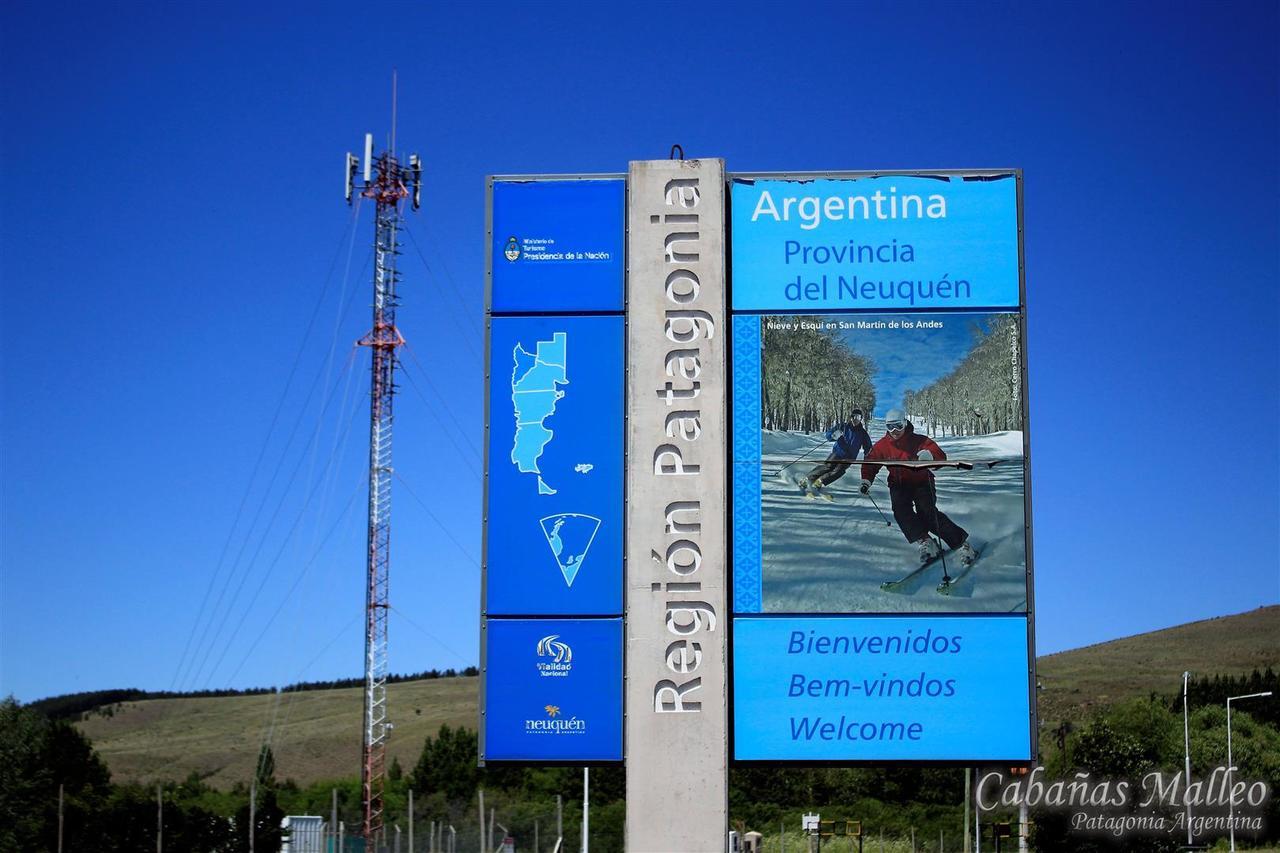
x,y
1124,741
1216,690
74,706
38,754
810,380
984,392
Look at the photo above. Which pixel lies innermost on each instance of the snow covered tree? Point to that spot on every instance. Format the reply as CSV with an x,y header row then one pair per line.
x,y
984,392
810,378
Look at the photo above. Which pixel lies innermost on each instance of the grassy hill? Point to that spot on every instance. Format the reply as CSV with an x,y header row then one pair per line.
x,y
1079,680
316,734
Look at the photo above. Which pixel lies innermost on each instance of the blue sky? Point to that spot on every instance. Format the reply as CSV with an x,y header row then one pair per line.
x,y
905,361
183,410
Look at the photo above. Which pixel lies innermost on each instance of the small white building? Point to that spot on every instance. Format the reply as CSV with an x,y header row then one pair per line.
x,y
302,834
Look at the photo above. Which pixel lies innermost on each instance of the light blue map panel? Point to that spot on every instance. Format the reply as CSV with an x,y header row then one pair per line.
x,y
535,390
555,456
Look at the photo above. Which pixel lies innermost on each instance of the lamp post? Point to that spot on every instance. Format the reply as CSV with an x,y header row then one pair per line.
x,y
1186,739
586,815
1231,798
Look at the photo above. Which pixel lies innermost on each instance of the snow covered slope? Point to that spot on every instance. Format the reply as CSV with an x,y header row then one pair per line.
x,y
821,557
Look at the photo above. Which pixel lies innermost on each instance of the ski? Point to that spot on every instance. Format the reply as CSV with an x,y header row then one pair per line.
x,y
962,464
812,491
944,588
895,586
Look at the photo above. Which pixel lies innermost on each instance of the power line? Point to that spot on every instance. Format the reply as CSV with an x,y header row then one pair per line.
x,y
266,575
262,540
457,291
268,738
444,401
297,360
443,426
458,301
315,383
302,512
284,599
438,522
432,636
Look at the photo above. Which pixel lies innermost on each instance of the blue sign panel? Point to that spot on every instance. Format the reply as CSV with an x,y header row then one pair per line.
x,y
875,243
557,245
553,690
555,453
881,688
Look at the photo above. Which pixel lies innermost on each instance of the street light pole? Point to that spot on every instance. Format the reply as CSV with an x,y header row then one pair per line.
x,y
1231,797
586,816
1186,739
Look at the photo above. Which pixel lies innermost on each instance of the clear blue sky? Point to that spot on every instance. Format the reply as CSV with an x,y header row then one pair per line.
x,y
172,211
912,362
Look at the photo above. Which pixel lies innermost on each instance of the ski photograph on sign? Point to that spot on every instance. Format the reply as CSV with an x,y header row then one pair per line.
x,y
891,468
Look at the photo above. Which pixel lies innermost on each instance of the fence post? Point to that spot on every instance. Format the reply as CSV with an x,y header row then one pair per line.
x,y
253,806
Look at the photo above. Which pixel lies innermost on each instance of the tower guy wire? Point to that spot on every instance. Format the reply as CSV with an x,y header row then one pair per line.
x,y
183,659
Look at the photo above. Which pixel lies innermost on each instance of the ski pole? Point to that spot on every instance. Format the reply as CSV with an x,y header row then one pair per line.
x,y
877,506
942,552
797,459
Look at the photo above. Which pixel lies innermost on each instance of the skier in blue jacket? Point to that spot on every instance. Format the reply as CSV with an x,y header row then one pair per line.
x,y
849,437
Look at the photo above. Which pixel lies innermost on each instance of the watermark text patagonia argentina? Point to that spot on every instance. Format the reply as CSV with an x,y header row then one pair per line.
x,y
686,329
1221,800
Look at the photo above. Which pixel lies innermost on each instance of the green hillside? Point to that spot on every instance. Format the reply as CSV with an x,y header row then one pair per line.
x,y
1077,681
316,734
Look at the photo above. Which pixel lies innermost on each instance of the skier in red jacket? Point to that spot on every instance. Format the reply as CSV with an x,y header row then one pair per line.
x,y
911,490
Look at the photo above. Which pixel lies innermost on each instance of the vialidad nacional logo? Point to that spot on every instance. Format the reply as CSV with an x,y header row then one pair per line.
x,y
561,657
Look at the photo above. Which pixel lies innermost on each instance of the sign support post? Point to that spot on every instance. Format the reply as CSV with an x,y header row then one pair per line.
x,y
675,695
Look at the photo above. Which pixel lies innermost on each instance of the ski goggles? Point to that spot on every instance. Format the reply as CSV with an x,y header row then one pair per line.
x,y
895,426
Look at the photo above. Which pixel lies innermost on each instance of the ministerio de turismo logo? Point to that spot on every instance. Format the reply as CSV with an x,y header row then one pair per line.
x,y
512,250
560,656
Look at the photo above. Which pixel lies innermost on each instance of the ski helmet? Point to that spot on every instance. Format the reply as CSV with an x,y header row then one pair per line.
x,y
894,416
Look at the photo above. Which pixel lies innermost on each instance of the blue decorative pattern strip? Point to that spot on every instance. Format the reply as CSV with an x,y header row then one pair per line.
x,y
746,465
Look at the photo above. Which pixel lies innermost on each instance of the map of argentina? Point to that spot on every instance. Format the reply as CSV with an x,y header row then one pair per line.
x,y
535,392
555,452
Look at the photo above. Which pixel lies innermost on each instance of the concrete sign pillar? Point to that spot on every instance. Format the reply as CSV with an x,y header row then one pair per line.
x,y
677,612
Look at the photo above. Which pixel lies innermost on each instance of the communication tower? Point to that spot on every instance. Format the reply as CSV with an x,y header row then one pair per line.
x,y
388,183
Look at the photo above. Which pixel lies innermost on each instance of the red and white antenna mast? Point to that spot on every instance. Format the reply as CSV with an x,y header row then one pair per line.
x,y
388,183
